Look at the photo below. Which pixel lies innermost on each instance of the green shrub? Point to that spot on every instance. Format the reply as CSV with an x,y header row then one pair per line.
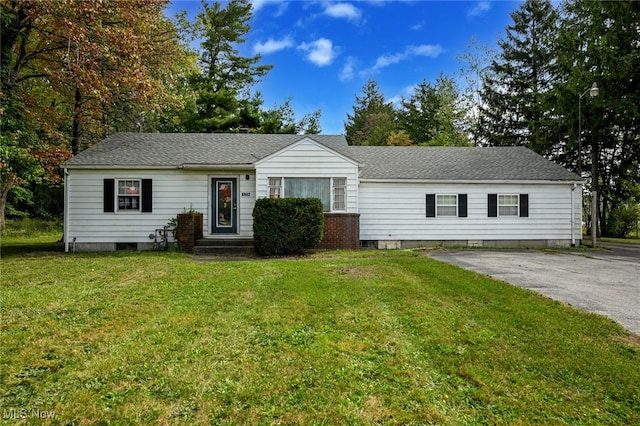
x,y
287,225
623,220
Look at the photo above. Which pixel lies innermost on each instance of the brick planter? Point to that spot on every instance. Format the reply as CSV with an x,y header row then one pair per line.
x,y
341,231
189,230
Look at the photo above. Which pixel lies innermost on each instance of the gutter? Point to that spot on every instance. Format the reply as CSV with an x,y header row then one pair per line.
x,y
176,167
475,181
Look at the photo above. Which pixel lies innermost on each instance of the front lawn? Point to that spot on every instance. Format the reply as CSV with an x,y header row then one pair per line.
x,y
336,338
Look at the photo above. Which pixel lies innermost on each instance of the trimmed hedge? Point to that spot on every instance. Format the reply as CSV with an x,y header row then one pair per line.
x,y
287,225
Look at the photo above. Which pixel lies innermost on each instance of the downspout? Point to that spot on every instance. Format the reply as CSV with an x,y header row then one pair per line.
x,y
573,217
65,220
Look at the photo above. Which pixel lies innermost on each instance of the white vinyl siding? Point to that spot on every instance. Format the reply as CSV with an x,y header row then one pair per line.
x,y
405,218
173,192
307,159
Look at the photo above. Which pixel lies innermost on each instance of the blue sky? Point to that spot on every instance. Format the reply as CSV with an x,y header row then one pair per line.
x,y
323,52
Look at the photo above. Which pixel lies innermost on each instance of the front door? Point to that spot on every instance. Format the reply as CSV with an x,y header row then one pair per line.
x,y
224,206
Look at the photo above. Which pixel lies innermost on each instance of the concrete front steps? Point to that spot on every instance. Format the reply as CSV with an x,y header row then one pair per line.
x,y
228,247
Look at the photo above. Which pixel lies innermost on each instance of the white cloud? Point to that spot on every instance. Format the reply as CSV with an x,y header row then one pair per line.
x,y
429,50
346,73
259,4
418,27
319,52
271,46
343,10
479,9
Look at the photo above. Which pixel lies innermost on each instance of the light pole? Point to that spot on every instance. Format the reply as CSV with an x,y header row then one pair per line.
x,y
593,92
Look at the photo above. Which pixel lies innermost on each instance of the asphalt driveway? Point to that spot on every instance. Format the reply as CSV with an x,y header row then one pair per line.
x,y
606,282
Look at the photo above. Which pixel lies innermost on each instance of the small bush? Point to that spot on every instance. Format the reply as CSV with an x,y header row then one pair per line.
x,y
623,220
287,225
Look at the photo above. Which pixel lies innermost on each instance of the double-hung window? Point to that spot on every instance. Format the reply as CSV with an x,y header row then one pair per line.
x,y
129,195
446,205
508,204
330,191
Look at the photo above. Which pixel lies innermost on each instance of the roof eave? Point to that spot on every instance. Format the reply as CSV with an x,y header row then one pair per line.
x,y
474,182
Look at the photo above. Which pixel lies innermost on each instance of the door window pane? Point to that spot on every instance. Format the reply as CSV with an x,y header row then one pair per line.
x,y
224,190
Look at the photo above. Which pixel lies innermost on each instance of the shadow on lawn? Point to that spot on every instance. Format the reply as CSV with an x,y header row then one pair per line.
x,y
30,248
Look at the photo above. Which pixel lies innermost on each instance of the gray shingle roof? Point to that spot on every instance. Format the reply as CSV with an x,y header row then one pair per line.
x,y
376,162
455,163
178,149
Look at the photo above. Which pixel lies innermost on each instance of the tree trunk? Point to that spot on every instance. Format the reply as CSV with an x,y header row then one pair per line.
x,y
4,192
76,139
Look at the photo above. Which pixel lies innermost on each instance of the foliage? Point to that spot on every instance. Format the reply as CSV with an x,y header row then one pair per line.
x,y
515,91
434,115
287,225
281,119
533,92
399,138
69,71
365,337
623,219
373,118
222,86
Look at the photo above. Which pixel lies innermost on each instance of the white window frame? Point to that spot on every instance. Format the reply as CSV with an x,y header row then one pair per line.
x,y
440,205
276,187
126,191
502,204
339,194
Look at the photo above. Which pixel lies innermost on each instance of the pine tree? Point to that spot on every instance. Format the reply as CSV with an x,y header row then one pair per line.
x,y
223,86
373,118
515,108
599,41
434,114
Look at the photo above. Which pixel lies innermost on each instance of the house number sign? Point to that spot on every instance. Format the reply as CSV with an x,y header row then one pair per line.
x,y
246,194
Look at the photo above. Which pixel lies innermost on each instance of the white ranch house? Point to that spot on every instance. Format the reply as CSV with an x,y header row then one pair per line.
x,y
126,187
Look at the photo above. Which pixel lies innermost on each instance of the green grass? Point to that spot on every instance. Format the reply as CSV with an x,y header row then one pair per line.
x,y
364,337
628,240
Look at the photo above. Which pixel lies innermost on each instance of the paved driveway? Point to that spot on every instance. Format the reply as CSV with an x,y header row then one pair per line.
x,y
606,282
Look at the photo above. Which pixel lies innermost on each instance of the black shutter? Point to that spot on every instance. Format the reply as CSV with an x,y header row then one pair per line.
x,y
524,205
147,196
493,205
109,205
431,205
462,205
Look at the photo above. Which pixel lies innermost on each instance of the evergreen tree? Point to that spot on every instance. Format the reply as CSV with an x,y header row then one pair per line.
x,y
515,108
434,114
222,88
373,118
599,41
